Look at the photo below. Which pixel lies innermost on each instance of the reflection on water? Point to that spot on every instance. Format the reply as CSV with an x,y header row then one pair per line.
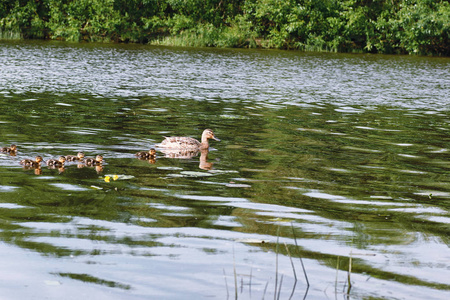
x,y
188,154
268,77
317,159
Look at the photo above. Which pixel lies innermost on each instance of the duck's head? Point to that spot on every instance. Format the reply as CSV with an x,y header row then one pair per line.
x,y
38,159
209,134
99,158
152,152
80,155
62,159
13,147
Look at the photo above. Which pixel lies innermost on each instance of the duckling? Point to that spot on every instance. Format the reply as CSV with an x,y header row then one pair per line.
x,y
32,163
10,149
98,160
180,142
78,157
56,163
146,155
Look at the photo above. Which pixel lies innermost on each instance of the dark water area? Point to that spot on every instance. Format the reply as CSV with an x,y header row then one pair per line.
x,y
341,160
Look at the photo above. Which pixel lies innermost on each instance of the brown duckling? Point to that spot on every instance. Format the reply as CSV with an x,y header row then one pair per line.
x,y
56,163
32,163
78,157
98,160
10,149
146,155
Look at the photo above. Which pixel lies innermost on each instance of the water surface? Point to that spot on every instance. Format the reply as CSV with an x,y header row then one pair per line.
x,y
326,157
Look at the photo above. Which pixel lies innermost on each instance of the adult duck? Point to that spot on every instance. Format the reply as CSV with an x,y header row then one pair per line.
x,y
32,163
182,142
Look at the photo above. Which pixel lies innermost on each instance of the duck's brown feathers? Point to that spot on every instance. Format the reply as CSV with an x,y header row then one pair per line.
x,y
32,163
11,149
146,155
181,142
98,160
56,162
78,157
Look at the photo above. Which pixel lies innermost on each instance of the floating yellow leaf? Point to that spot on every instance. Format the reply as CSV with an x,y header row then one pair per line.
x,y
117,177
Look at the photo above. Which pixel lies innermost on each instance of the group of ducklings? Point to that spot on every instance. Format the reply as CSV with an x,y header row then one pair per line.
x,y
56,163
80,158
59,163
149,155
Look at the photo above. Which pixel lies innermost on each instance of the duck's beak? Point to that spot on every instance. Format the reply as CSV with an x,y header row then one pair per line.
x,y
216,139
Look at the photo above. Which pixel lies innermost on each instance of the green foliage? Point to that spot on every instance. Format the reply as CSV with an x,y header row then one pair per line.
x,y
207,35
426,27
378,26
91,20
25,17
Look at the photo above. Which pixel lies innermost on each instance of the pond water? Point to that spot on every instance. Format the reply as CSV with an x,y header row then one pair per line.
x,y
331,160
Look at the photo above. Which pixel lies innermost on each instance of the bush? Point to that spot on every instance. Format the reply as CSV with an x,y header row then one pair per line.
x,y
378,26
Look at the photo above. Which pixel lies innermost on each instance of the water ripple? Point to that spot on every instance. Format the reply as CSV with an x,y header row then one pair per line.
x,y
262,77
